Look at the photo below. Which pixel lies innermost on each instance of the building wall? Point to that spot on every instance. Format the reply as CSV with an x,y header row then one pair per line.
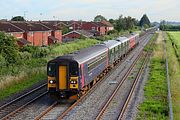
x,y
38,38
29,36
58,35
89,26
102,30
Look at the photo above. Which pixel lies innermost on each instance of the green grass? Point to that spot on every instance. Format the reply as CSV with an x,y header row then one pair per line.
x,y
66,48
22,84
148,47
175,39
155,105
174,72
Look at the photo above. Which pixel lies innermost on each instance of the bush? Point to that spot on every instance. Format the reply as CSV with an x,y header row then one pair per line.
x,y
9,48
37,52
112,32
25,55
34,62
2,61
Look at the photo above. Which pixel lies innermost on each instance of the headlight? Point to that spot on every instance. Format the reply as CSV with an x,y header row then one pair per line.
x,y
73,82
52,81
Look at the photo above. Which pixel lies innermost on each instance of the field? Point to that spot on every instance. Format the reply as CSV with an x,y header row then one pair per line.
x,y
175,39
173,47
155,105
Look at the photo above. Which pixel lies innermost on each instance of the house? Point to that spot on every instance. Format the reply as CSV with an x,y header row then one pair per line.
x,y
109,26
11,29
77,34
35,33
56,33
94,26
73,25
14,31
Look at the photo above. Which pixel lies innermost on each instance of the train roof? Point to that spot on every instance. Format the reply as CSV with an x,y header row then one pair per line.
x,y
84,55
111,43
122,39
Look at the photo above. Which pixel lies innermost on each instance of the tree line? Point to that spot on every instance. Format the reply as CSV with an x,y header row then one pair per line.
x,y
126,23
168,27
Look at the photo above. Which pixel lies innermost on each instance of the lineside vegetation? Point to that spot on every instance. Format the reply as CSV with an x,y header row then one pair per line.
x,y
155,104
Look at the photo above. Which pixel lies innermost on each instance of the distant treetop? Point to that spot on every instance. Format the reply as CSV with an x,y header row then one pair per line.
x,y
145,22
99,18
18,18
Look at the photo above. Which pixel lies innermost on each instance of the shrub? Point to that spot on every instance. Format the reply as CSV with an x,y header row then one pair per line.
x,y
25,55
112,32
37,52
2,61
9,48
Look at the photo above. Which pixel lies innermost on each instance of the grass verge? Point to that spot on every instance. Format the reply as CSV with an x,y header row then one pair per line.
x,y
174,72
12,86
155,105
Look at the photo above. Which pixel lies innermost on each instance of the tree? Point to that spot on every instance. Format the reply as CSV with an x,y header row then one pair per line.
x,y
99,18
129,23
112,21
163,25
64,29
18,18
120,23
145,20
9,48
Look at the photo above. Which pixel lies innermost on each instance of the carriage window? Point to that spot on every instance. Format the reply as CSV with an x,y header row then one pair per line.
x,y
98,61
51,69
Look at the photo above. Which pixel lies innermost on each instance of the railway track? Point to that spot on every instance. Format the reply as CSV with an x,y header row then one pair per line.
x,y
103,114
11,108
53,111
94,87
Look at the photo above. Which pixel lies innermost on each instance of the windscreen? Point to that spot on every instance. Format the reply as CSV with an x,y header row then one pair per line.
x,y
51,69
74,69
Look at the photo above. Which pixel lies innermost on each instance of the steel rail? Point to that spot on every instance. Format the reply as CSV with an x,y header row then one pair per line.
x,y
148,54
24,95
133,88
20,108
118,87
46,111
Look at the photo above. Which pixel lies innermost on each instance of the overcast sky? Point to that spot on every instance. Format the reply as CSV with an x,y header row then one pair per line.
x,y
87,9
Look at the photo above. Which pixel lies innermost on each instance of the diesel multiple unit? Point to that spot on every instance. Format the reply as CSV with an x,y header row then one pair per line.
x,y
74,73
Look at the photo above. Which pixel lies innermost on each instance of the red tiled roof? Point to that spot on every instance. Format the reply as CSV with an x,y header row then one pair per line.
x,y
24,41
7,27
107,23
30,26
54,25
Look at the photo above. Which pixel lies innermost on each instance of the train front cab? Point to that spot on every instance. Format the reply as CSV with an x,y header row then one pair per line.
x,y
63,78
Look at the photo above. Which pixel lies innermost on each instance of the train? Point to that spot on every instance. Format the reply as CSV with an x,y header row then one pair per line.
x,y
71,75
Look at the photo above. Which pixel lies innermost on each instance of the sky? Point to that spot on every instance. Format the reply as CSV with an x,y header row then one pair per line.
x,y
156,10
